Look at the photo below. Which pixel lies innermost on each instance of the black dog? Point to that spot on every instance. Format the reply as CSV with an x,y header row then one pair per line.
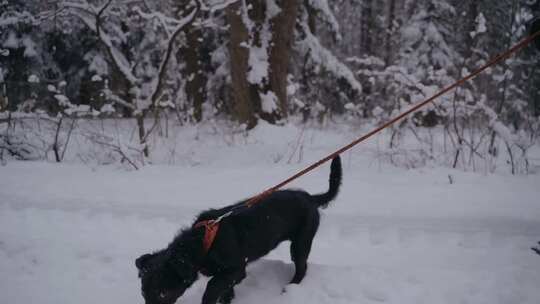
x,y
246,235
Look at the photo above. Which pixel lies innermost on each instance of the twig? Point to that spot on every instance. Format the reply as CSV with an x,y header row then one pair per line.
x,y
168,54
55,144
6,135
297,144
114,147
71,128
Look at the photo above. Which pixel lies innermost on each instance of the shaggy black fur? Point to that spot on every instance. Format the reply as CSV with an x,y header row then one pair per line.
x,y
245,236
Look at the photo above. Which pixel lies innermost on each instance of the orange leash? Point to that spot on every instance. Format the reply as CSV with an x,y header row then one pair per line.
x,y
490,63
211,228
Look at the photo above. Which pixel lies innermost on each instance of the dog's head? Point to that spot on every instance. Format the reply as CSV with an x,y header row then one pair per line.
x,y
164,277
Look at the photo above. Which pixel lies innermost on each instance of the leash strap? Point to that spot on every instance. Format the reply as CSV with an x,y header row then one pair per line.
x,y
211,228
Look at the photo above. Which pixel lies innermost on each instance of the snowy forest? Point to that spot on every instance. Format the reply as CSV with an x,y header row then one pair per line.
x,y
68,67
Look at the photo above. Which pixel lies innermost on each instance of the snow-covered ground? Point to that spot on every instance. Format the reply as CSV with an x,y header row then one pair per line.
x,y
70,233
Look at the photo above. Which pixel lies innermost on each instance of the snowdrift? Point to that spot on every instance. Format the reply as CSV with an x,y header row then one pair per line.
x,y
326,284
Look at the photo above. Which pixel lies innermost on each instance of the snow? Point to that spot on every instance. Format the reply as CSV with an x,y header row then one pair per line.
x,y
312,46
480,25
76,109
62,100
97,64
6,21
411,33
107,108
350,106
258,55
220,5
368,60
269,102
97,78
272,9
327,15
33,79
69,233
30,48
258,64
377,111
12,42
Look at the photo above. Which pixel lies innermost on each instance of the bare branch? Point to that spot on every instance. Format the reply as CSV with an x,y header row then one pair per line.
x,y
71,128
92,17
98,17
117,100
117,148
170,47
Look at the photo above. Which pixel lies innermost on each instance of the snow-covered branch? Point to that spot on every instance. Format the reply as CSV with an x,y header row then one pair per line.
x,y
14,18
215,6
323,8
99,14
322,56
169,24
92,18
170,47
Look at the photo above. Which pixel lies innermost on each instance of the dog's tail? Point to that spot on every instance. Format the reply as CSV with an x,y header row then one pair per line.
x,y
323,199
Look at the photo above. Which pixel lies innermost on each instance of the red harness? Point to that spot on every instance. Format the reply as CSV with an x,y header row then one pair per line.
x,y
210,231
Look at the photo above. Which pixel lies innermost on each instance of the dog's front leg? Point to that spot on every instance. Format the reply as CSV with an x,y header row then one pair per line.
x,y
222,283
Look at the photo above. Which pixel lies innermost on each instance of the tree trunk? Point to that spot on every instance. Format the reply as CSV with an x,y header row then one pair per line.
x,y
244,109
389,33
142,134
505,83
280,51
195,86
56,145
191,54
367,27
248,96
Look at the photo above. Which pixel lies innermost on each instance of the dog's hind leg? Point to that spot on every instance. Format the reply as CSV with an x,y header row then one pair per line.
x,y
220,287
301,245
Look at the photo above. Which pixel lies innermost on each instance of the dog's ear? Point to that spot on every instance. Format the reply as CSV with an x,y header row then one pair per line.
x,y
142,261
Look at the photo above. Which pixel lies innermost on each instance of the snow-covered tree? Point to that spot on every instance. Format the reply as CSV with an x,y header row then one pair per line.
x,y
138,44
263,36
326,83
19,57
